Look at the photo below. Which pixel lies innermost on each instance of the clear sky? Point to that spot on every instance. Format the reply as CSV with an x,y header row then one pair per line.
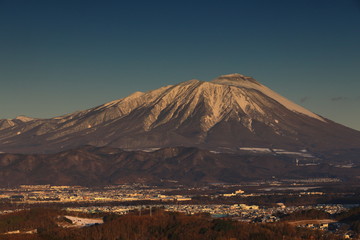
x,y
58,57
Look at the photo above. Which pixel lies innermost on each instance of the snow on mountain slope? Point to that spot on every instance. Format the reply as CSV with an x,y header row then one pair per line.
x,y
231,111
19,120
250,83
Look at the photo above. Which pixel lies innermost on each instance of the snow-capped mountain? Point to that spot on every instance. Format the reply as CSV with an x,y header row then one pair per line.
x,y
230,113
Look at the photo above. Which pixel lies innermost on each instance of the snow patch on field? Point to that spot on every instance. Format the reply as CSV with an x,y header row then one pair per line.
x,y
295,153
216,152
260,150
350,165
84,222
301,153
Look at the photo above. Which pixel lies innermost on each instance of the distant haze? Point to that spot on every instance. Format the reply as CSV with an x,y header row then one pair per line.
x,y
59,57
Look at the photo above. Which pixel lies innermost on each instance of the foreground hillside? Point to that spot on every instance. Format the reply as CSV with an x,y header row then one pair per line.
x,y
160,226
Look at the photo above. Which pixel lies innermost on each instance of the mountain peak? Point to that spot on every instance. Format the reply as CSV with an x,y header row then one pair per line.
x,y
235,78
241,81
233,75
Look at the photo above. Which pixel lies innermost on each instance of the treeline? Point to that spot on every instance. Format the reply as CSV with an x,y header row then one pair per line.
x,y
351,217
305,215
29,219
160,226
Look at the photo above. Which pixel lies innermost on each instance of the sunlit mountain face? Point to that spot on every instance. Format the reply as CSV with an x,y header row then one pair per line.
x,y
228,113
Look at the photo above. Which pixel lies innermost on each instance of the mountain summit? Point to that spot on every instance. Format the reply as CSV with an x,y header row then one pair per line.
x,y
229,113
235,78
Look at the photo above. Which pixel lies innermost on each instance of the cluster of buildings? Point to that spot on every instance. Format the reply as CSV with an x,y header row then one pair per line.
x,y
47,193
240,212
161,197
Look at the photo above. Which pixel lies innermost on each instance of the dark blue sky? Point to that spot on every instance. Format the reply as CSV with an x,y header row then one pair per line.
x,y
57,57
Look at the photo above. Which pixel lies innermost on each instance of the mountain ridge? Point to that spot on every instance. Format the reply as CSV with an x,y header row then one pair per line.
x,y
100,166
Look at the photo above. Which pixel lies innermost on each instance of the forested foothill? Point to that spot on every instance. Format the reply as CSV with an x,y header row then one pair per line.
x,y
162,225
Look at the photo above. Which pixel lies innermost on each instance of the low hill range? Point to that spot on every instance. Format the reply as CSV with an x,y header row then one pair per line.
x,y
99,166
